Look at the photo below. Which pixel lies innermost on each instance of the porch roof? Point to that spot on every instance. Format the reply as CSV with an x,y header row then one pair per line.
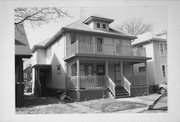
x,y
98,57
42,66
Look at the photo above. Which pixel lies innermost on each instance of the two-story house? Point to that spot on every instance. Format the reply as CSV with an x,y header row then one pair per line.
x,y
156,47
88,59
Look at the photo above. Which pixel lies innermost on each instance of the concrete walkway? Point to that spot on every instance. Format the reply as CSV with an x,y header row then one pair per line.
x,y
148,100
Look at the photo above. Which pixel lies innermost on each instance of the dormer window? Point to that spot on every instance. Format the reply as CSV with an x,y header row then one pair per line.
x,y
98,25
104,26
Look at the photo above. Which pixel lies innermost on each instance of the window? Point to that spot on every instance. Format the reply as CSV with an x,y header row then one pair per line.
x,y
82,70
104,26
74,70
142,69
73,38
164,71
163,49
59,69
98,25
89,70
99,44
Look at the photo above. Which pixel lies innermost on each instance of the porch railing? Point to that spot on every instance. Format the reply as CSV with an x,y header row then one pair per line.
x,y
87,82
111,85
97,48
126,84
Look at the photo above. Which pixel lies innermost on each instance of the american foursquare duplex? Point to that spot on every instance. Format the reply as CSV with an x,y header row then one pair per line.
x,y
88,59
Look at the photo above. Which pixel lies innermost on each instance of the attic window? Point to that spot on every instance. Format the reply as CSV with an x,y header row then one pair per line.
x,y
104,26
98,25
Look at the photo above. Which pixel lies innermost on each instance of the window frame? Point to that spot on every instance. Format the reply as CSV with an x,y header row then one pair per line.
x,y
98,23
162,49
140,69
59,69
165,71
103,26
73,40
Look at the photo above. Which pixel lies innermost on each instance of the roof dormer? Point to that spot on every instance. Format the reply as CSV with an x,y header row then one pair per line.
x,y
98,22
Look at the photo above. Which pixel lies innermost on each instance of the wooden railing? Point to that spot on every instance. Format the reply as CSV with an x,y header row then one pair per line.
x,y
87,82
111,86
92,81
126,84
97,48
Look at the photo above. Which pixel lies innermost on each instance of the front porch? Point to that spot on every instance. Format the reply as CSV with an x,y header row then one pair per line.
x,y
110,78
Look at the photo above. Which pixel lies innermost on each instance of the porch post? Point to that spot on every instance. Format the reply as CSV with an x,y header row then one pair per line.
x,y
66,77
146,77
78,82
107,72
121,66
77,46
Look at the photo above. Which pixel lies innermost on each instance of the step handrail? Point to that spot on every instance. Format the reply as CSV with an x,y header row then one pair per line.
x,y
111,86
126,84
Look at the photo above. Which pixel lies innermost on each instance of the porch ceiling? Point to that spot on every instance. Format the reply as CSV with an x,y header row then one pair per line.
x,y
100,57
42,66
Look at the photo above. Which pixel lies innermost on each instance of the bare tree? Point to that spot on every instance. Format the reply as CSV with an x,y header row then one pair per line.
x,y
37,16
135,26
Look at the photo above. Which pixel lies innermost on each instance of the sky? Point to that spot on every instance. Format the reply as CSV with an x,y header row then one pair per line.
x,y
156,15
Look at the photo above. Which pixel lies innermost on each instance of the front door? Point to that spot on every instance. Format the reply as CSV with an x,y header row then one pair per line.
x,y
100,70
117,74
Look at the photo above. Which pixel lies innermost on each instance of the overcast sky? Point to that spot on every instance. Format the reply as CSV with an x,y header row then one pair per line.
x,y
155,15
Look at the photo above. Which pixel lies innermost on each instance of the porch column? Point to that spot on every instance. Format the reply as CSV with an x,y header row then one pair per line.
x,y
78,81
107,72
66,77
146,77
77,46
121,66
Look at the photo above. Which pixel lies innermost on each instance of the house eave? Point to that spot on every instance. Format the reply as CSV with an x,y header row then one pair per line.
x,y
106,57
99,33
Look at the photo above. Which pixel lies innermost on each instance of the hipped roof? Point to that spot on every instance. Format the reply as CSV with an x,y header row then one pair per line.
x,y
80,26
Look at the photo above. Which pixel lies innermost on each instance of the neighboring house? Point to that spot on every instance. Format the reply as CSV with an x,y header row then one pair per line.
x,y
88,59
156,47
28,76
22,50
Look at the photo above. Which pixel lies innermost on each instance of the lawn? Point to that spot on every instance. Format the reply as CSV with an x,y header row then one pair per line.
x,y
52,105
110,105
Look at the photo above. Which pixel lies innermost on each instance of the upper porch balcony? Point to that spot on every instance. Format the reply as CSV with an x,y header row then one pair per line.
x,y
103,49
